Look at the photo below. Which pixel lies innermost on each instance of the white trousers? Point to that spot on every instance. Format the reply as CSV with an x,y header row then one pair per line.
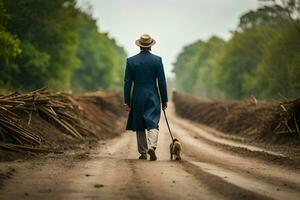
x,y
153,138
142,140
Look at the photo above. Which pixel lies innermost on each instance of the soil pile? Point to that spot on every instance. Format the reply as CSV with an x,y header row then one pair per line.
x,y
41,121
258,121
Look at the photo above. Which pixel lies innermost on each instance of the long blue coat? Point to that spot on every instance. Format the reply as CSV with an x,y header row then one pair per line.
x,y
144,71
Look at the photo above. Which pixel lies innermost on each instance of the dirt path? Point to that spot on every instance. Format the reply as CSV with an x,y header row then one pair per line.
x,y
207,171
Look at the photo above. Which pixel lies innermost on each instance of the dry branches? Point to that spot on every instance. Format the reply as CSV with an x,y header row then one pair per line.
x,y
252,119
60,109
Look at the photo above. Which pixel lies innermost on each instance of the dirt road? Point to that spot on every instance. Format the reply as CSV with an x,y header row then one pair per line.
x,y
211,169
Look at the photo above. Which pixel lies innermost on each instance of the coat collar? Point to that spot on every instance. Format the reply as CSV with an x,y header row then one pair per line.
x,y
144,51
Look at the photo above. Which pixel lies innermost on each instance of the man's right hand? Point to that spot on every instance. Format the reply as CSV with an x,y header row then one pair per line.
x,y
164,105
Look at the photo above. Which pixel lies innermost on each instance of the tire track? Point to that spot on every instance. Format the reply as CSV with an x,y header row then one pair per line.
x,y
114,172
199,152
218,185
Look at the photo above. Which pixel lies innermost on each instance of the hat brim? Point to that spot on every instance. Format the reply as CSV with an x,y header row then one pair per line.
x,y
138,43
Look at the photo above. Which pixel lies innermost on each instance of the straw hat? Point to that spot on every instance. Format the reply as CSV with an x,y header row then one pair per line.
x,y
145,41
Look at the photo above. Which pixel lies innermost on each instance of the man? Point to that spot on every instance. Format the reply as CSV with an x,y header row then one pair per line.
x,y
144,71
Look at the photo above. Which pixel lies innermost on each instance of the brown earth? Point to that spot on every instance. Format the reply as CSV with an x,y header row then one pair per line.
x,y
214,166
101,113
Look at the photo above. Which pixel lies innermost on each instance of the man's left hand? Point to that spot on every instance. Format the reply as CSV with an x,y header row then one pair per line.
x,y
127,107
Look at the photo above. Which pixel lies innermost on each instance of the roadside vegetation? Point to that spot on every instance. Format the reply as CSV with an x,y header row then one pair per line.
x,y
261,59
41,121
56,44
252,121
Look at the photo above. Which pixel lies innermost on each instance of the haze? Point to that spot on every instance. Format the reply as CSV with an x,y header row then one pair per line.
x,y
173,23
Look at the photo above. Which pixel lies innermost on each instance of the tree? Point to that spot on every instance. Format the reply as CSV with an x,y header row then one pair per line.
x,y
239,60
273,16
278,73
195,68
10,45
290,7
61,45
260,59
102,61
9,49
47,28
207,68
185,68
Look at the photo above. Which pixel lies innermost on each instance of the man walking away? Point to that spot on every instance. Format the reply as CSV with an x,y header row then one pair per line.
x,y
144,71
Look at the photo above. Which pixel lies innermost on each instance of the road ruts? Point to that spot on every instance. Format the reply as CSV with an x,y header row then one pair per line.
x,y
112,171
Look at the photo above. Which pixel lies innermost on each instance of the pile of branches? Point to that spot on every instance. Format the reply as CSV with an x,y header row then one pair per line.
x,y
287,118
58,108
252,119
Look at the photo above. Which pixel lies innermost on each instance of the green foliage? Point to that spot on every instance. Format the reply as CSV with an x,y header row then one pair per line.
x,y
239,60
102,61
10,45
195,67
60,44
273,16
261,59
292,7
186,67
207,68
50,27
279,71
32,72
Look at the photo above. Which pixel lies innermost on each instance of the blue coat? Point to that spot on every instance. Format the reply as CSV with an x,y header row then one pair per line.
x,y
144,71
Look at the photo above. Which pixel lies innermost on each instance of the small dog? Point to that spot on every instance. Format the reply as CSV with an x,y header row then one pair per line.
x,y
175,149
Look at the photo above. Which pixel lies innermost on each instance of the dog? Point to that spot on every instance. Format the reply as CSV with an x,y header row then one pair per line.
x,y
175,149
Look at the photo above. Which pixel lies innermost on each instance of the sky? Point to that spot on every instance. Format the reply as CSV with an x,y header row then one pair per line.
x,y
172,23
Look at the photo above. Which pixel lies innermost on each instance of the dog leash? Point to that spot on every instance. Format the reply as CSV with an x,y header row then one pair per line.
x,y
168,125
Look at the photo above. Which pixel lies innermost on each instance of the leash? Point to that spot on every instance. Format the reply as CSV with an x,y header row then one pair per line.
x,y
168,125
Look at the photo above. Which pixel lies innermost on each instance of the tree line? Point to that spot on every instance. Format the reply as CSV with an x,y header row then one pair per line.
x,y
261,59
56,44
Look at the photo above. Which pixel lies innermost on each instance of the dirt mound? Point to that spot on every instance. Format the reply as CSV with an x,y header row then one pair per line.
x,y
258,121
40,121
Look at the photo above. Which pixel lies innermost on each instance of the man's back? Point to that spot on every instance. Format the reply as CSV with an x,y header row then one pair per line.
x,y
144,68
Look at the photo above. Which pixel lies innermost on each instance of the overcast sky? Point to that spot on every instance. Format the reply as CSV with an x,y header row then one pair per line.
x,y
173,23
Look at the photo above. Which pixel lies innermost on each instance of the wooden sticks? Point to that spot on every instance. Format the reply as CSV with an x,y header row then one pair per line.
x,y
57,108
